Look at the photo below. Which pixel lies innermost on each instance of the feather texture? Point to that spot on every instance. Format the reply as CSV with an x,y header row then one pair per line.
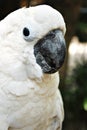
x,y
29,99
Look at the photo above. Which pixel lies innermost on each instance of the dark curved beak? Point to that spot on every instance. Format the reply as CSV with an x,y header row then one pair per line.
x,y
50,51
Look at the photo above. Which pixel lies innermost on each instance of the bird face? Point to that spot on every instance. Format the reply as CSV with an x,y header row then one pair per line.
x,y
32,42
50,48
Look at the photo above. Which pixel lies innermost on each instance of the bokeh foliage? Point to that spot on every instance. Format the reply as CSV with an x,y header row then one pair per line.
x,y
75,98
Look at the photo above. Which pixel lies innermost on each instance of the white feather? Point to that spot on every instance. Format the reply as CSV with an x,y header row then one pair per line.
x,y
29,99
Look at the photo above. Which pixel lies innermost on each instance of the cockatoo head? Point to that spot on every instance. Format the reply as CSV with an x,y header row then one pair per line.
x,y
32,42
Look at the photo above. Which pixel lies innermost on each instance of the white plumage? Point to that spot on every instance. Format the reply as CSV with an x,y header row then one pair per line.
x,y
29,98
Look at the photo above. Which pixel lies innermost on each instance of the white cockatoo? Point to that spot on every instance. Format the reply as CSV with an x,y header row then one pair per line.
x,y
32,49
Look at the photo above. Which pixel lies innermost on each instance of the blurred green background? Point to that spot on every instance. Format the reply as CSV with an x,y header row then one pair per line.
x,y
73,74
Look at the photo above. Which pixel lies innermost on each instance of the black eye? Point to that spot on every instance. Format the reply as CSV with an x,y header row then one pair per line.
x,y
26,32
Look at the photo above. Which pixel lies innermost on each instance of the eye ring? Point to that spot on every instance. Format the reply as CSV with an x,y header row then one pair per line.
x,y
26,32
